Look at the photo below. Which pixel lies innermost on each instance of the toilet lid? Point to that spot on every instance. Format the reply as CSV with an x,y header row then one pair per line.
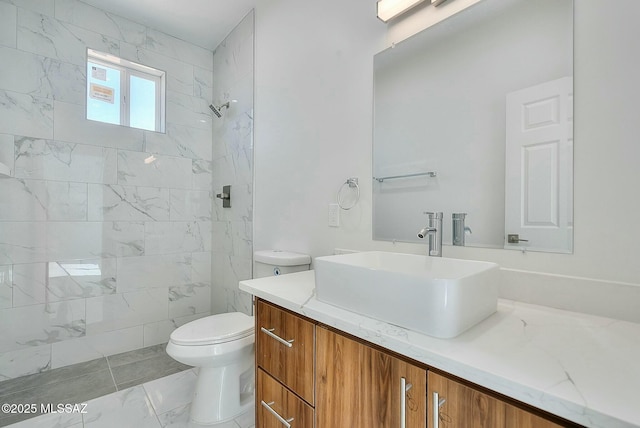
x,y
214,329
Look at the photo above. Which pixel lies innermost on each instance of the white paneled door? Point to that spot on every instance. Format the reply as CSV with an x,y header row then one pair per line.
x,y
539,167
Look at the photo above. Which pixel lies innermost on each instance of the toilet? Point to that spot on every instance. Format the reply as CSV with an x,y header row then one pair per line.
x,y
222,347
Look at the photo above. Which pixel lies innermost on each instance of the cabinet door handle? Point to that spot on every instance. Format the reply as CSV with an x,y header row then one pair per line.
x,y
404,388
437,403
284,421
269,332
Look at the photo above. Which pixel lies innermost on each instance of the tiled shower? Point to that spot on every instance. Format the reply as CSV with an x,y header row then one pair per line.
x,y
100,251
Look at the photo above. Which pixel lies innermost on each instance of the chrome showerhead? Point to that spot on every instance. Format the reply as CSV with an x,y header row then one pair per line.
x,y
218,110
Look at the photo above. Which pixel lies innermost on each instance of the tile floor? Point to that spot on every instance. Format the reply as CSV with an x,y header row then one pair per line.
x,y
138,389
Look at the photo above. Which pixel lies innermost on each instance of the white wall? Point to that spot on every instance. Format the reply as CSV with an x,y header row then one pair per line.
x,y
313,130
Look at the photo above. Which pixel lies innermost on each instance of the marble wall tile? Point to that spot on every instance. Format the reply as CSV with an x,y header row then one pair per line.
x,y
127,203
189,299
46,36
24,72
38,325
241,96
36,200
179,74
222,241
8,24
71,201
233,58
57,281
25,362
233,164
122,239
118,311
30,242
6,286
51,160
81,240
72,126
188,110
7,156
180,140
35,75
237,269
92,18
23,114
67,81
242,236
201,267
45,7
94,346
170,46
191,205
160,271
174,237
202,171
163,171
203,83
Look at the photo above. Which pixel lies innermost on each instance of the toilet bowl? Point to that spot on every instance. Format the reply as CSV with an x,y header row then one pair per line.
x,y
222,346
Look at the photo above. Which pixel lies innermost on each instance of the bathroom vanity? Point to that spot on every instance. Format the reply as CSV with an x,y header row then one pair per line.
x,y
525,366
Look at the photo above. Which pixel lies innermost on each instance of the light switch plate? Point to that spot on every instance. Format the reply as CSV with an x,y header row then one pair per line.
x,y
334,215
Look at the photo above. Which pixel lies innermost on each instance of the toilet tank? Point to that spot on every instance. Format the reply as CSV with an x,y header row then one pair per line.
x,y
276,262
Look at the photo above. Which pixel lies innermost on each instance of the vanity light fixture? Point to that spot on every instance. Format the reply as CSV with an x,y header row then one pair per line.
x,y
389,9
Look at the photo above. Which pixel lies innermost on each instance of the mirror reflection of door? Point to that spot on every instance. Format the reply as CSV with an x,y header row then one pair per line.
x,y
539,166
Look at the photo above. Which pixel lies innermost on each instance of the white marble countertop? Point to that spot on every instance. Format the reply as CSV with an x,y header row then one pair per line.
x,y
581,367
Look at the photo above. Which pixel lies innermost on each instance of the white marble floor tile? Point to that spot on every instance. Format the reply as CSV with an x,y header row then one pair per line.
x,y
172,391
52,420
128,408
179,418
247,419
162,403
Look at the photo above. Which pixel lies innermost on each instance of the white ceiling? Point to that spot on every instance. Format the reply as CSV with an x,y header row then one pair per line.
x,y
202,22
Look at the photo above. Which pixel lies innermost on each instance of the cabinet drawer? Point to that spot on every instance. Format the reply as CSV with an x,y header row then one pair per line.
x,y
285,348
277,406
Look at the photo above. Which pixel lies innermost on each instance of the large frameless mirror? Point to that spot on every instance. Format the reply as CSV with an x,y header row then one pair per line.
x,y
474,118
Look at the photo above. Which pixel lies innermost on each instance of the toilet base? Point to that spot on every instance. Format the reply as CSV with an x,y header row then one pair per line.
x,y
219,398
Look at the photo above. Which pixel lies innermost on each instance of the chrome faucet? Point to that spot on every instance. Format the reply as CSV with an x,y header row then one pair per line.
x,y
458,229
434,230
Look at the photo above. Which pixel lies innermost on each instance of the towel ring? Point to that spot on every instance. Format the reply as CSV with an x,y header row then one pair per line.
x,y
351,183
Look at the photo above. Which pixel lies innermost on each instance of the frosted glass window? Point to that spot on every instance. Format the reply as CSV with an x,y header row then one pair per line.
x,y
124,93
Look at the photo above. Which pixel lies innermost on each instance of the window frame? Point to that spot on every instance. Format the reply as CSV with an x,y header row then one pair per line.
x,y
127,69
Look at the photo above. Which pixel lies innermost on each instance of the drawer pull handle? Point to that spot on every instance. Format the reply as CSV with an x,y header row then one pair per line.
x,y
284,421
404,388
437,403
270,333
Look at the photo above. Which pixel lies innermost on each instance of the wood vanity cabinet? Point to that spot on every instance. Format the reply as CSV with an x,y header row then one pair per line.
x,y
311,376
358,386
285,348
285,357
277,406
460,405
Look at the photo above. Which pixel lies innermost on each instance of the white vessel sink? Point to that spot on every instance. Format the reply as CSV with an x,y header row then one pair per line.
x,y
440,297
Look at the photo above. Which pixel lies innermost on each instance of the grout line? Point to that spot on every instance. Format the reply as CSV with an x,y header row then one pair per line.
x,y
111,373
